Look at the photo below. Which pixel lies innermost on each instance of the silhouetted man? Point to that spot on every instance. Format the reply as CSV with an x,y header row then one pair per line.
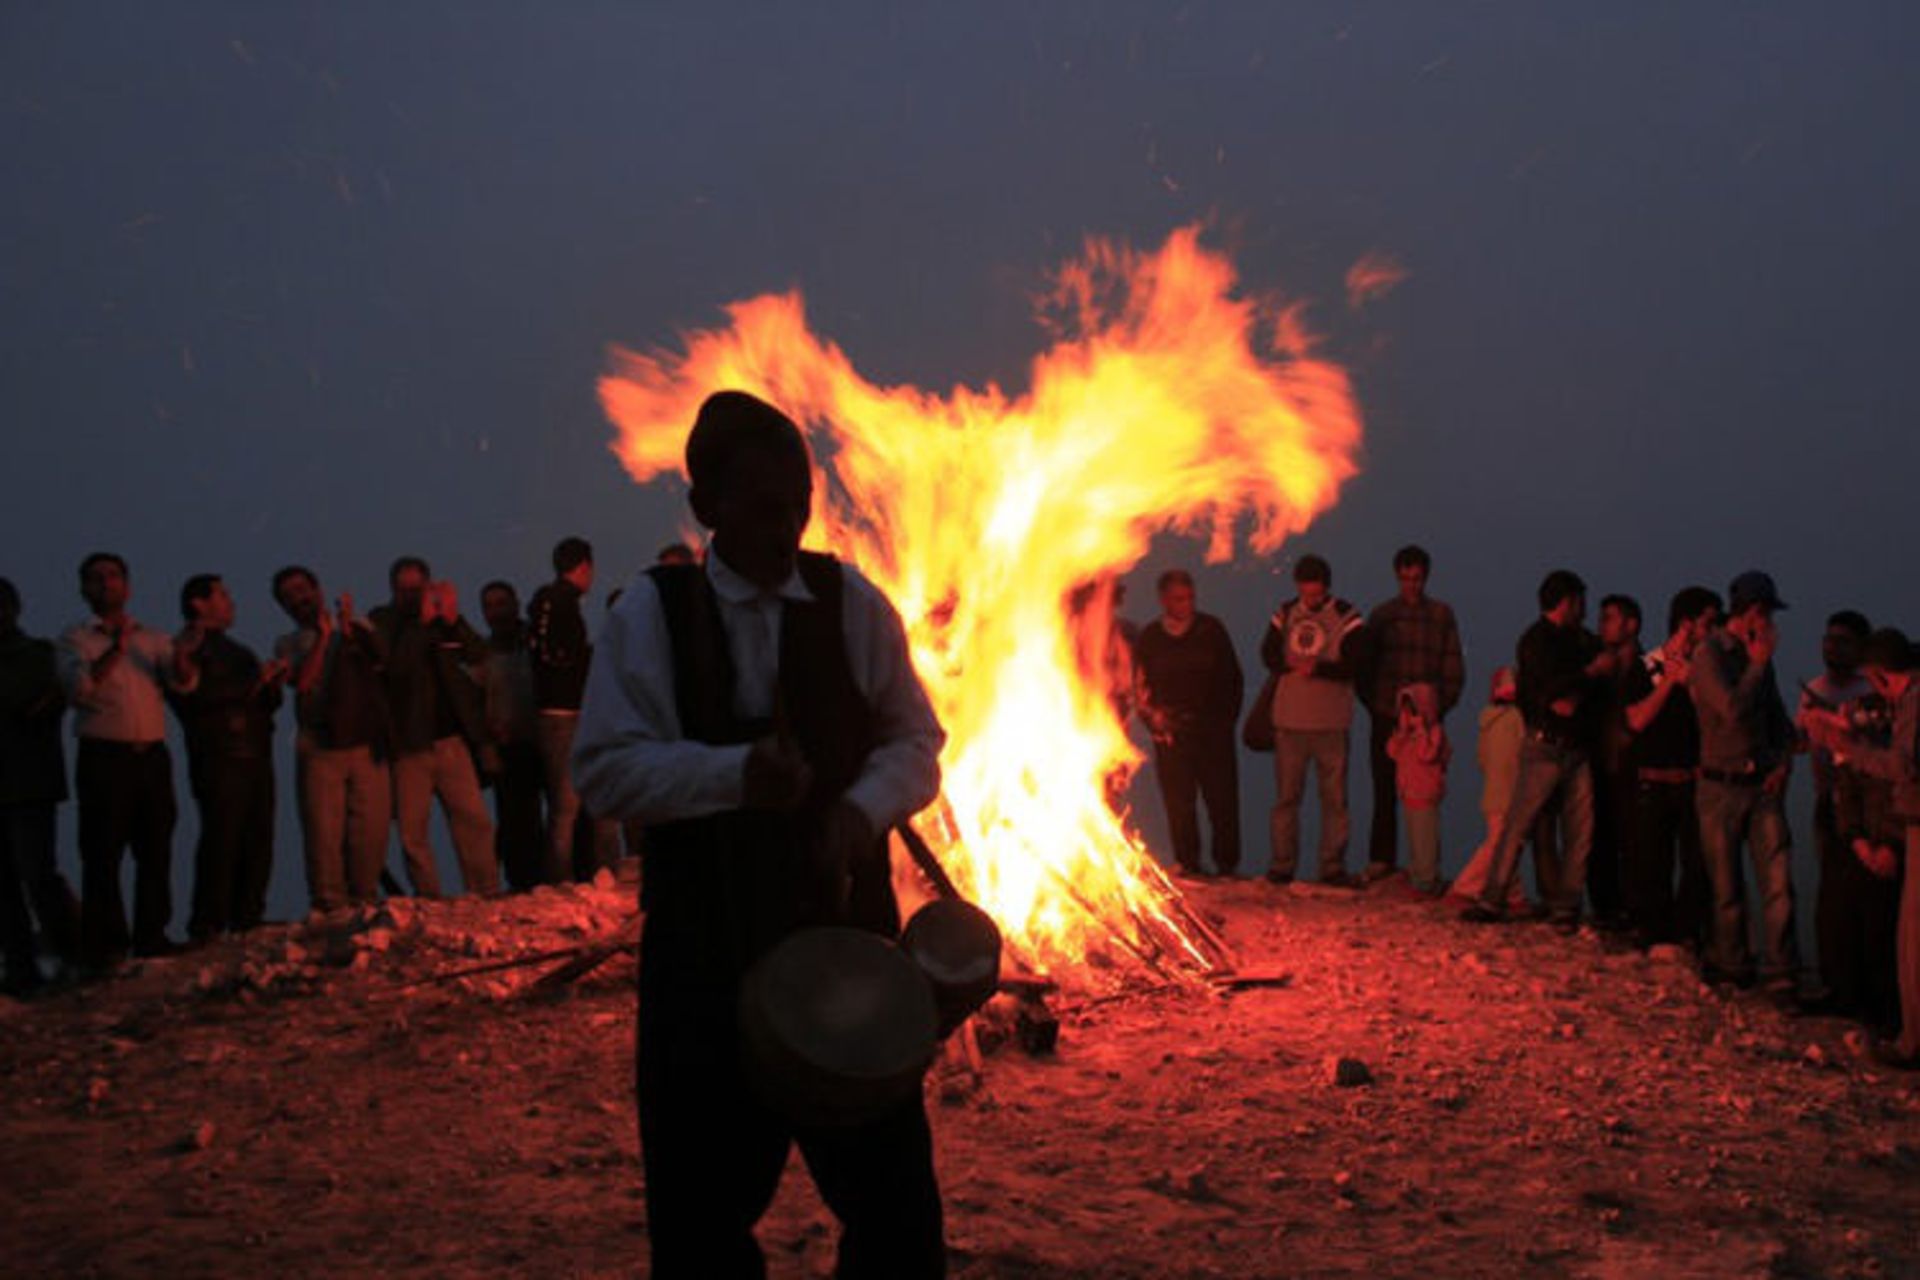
x,y
1310,644
1558,664
33,783
1614,782
561,650
343,748
438,727
227,718
1663,756
520,835
761,713
1847,890
1410,639
112,669
1191,687
1746,751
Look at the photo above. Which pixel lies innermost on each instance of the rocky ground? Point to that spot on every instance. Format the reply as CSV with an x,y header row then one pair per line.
x,y
1511,1101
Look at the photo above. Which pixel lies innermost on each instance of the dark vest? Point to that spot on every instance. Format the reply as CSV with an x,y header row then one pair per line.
x,y
723,889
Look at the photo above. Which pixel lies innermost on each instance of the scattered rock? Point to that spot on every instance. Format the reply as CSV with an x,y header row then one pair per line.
x,y
1348,1073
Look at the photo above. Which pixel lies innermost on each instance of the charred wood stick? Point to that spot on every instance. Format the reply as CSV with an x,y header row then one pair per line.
x,y
923,858
580,966
1080,900
517,962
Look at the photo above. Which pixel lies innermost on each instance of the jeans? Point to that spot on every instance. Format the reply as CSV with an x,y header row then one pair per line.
x,y
346,805
1195,765
565,839
1293,751
1732,814
520,832
1666,835
1384,838
233,859
30,874
446,772
125,793
1547,770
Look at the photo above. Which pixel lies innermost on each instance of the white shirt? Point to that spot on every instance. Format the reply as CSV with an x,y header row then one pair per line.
x,y
630,759
125,704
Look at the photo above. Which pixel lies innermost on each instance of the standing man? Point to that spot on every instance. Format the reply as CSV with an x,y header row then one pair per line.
x,y
1614,782
1410,639
112,669
1310,644
1746,751
558,643
342,750
227,718
761,714
1663,757
33,782
1559,661
438,726
519,834
1846,888
1190,691
1889,663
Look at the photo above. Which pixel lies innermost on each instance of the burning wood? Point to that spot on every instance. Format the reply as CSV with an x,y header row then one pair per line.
x,y
1167,403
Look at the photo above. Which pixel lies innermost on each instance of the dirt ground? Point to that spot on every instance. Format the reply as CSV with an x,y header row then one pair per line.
x,y
1536,1104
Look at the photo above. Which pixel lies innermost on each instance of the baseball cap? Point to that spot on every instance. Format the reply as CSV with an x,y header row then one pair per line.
x,y
1750,588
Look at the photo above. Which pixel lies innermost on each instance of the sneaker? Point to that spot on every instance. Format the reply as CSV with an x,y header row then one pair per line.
x,y
1376,871
157,949
1282,878
1481,913
1341,880
1565,926
1189,873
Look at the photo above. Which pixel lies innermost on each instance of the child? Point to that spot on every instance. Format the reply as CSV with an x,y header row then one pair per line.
x,y
1498,752
1420,754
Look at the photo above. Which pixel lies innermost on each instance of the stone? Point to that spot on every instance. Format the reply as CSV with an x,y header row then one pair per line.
x,y
1348,1073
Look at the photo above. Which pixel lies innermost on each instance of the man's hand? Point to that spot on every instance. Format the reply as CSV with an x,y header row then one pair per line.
x,y
776,775
191,637
1564,706
1678,670
274,672
1761,639
1877,860
1775,783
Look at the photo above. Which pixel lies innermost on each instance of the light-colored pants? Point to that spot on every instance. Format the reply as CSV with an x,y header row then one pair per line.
x,y
556,730
1732,814
346,801
1423,845
1548,771
445,772
1293,750
1472,879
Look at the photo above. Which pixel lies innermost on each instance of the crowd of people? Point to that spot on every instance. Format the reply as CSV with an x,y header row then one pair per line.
x,y
395,710
1650,783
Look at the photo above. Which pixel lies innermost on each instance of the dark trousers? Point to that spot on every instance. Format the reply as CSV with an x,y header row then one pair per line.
x,y
1856,924
713,1153
125,793
1383,840
1613,823
1201,765
30,874
233,859
1666,837
519,826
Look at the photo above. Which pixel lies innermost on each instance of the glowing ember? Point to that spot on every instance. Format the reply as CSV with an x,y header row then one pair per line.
x,y
1166,403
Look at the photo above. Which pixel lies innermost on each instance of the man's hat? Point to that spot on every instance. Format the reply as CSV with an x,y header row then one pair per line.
x,y
1750,588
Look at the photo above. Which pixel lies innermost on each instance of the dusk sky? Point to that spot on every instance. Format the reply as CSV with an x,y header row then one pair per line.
x,y
330,283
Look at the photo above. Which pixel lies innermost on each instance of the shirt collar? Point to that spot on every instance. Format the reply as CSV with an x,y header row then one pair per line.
x,y
96,623
734,589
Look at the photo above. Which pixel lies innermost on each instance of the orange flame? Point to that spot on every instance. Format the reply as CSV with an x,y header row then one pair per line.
x,y
1166,403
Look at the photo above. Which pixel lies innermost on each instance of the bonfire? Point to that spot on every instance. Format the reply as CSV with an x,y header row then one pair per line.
x,y
1167,400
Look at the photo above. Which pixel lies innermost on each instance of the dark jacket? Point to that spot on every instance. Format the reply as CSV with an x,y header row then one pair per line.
x,y
557,642
1193,680
32,769
429,689
227,715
